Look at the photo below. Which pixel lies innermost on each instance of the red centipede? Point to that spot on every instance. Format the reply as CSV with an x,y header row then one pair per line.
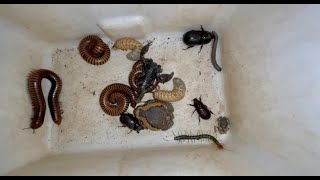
x,y
136,73
115,99
94,50
37,98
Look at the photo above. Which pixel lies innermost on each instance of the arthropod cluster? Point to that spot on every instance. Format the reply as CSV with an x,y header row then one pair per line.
x,y
145,76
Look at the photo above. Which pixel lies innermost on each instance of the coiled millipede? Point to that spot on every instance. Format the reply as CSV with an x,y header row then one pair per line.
x,y
37,98
94,50
138,72
176,94
115,99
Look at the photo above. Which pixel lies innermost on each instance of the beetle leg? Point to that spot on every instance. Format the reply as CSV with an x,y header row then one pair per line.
x,y
211,112
122,126
193,112
201,28
188,47
130,131
201,48
200,99
190,104
199,120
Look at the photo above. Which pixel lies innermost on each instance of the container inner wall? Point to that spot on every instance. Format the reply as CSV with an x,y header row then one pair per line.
x,y
269,80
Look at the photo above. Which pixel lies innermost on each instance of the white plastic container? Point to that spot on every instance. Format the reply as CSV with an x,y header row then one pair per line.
x,y
268,87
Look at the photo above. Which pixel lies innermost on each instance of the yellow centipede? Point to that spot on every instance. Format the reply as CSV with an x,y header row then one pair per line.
x,y
94,50
127,43
176,94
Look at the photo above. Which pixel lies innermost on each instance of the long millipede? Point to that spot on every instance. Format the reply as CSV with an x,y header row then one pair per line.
x,y
136,73
37,98
176,94
213,52
94,50
198,137
115,99
127,43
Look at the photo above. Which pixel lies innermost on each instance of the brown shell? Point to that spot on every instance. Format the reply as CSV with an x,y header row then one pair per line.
x,y
115,98
155,115
94,50
127,43
223,124
37,98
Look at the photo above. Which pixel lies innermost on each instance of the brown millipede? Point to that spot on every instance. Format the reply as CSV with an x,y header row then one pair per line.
x,y
176,94
136,73
115,99
37,98
94,50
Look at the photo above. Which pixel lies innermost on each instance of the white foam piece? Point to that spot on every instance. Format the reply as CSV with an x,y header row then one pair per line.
x,y
116,27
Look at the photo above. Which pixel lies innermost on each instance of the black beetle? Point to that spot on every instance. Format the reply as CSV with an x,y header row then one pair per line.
x,y
196,37
201,108
128,120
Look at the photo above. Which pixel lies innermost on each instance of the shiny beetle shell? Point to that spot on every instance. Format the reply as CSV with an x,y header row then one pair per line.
x,y
128,120
203,111
155,115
